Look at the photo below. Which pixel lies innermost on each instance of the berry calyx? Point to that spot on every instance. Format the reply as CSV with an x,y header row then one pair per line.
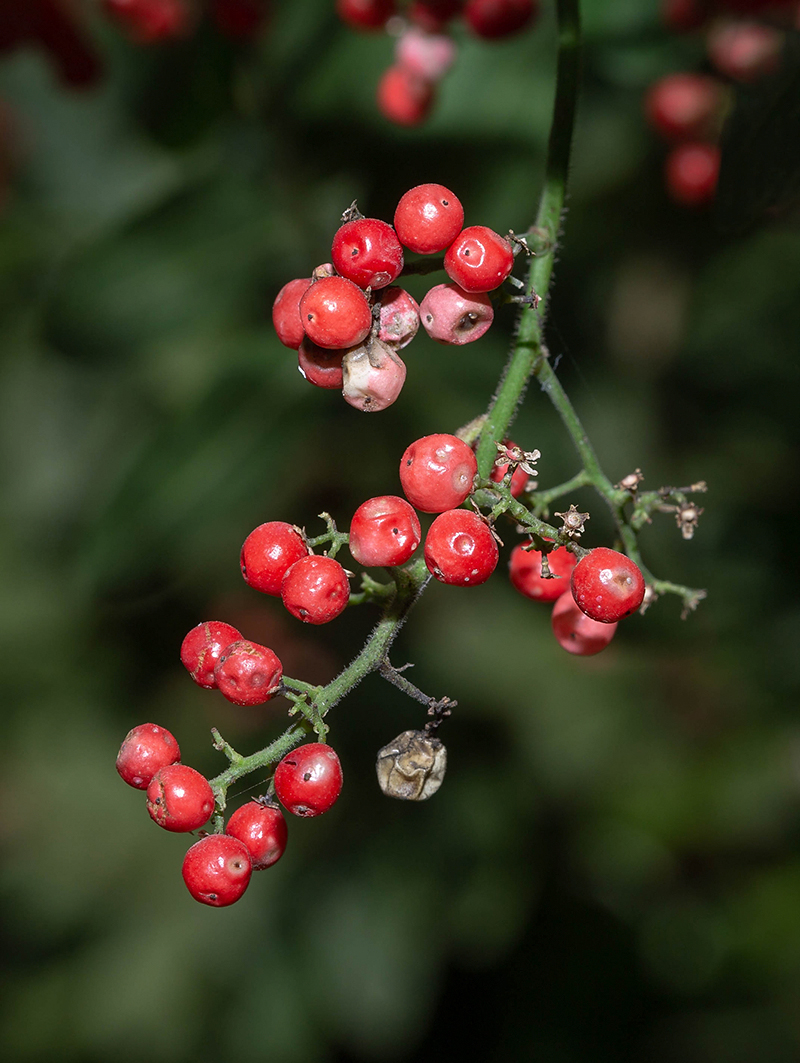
x,y
267,553
452,316
576,632
460,548
286,312
373,376
437,472
203,647
145,750
315,589
479,259
691,172
525,572
367,252
248,674
217,870
384,531
179,798
519,477
335,313
607,585
308,780
428,218
262,829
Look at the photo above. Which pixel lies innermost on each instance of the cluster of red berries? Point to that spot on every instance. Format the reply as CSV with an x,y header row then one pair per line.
x,y
687,109
425,51
217,868
152,21
348,322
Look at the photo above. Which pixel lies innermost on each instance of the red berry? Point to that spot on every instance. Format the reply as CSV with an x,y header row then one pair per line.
x,y
217,870
525,572
460,549
684,106
365,14
286,312
433,15
367,252
248,674
682,16
427,55
373,376
145,750
744,51
238,18
309,779
179,798
268,552
319,365
262,829
452,316
399,321
428,218
691,173
384,531
203,647
315,589
577,632
404,98
479,260
519,478
437,472
492,19
335,313
607,585
150,21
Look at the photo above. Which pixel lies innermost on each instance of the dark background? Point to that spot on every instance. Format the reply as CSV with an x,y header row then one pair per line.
x,y
611,870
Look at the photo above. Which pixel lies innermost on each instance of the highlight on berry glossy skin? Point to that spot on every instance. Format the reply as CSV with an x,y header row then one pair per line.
x,y
308,780
437,472
261,827
144,751
460,549
315,589
525,572
607,585
428,218
179,798
335,313
575,631
384,531
203,647
367,252
248,674
452,316
217,870
479,259
267,552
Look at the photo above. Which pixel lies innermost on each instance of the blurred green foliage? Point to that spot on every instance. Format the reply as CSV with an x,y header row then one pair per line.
x,y
611,870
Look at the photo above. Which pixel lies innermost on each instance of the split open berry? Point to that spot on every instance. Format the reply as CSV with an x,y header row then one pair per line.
x,y
399,318
179,798
437,472
403,97
493,19
367,252
286,312
267,553
217,870
365,14
607,585
384,531
460,548
262,829
452,316
684,106
308,780
525,572
691,172
203,647
248,674
479,259
319,365
315,589
428,218
373,375
144,751
576,632
335,313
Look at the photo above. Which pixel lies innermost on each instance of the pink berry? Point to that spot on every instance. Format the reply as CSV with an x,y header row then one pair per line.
x,y
427,55
428,218
217,870
308,780
384,531
607,585
691,173
179,798
315,589
267,552
144,751
372,376
203,647
460,549
437,472
404,98
519,478
319,365
684,106
492,19
367,252
525,572
248,674
286,312
452,316
399,320
262,829
365,14
577,632
335,313
479,259
744,51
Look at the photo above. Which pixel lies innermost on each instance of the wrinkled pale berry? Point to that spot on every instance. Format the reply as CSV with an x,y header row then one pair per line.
x,y
399,320
373,376
452,316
